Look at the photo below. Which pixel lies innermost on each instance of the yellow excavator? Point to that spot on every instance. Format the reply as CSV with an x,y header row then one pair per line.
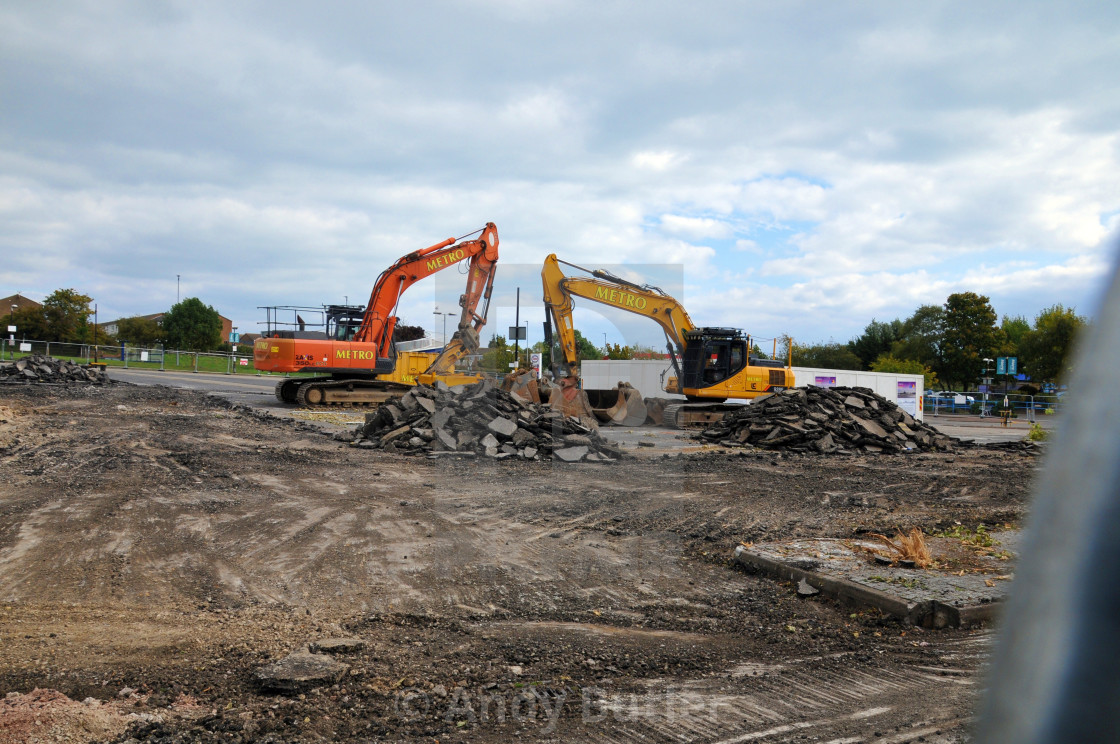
x,y
711,365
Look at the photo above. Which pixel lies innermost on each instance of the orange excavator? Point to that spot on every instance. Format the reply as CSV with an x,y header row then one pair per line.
x,y
353,356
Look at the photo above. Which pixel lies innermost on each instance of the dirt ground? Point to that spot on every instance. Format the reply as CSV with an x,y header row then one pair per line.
x,y
158,546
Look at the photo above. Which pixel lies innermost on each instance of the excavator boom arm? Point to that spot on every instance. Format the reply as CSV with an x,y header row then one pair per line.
x,y
379,321
480,285
608,290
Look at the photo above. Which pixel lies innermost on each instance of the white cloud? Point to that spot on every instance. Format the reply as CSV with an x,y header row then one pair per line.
x,y
844,164
694,228
661,160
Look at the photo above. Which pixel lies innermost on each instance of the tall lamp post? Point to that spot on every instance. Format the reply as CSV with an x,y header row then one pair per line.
x,y
987,383
445,327
12,333
437,313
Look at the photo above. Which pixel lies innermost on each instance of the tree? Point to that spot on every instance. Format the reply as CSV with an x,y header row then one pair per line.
x,y
832,355
30,322
888,363
875,341
67,316
192,325
969,334
617,351
585,349
1014,329
140,331
920,337
403,332
497,355
1046,350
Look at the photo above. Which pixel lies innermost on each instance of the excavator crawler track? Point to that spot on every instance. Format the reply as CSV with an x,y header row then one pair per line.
x,y
328,393
695,415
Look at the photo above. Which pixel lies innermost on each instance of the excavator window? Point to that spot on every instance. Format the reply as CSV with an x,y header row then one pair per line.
x,y
723,358
342,324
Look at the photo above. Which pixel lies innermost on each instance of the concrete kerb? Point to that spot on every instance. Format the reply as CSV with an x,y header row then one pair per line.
x,y
926,612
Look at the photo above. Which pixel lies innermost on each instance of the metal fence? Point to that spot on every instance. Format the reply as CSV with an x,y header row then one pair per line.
x,y
992,404
134,356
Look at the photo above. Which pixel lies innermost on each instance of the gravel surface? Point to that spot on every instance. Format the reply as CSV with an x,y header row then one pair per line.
x,y
159,547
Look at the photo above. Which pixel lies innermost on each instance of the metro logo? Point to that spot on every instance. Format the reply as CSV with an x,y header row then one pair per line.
x,y
354,354
446,260
620,298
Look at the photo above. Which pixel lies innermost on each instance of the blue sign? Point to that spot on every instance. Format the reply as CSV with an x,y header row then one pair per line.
x,y
234,338
1012,365
1001,365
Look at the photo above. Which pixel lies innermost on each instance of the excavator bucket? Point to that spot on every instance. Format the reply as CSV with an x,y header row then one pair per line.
x,y
572,401
619,406
523,384
655,410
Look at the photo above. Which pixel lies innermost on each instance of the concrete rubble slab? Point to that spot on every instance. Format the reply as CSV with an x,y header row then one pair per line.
x,y
478,419
950,596
300,671
337,646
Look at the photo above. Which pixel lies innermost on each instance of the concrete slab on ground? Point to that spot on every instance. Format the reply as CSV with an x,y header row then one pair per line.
x,y
965,587
653,440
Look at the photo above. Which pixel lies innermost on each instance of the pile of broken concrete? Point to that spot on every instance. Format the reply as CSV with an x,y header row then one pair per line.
x,y
841,420
39,368
479,420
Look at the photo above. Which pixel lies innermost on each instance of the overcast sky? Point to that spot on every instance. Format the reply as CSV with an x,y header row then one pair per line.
x,y
801,168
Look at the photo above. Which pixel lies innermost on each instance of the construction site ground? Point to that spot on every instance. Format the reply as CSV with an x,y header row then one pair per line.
x,y
158,546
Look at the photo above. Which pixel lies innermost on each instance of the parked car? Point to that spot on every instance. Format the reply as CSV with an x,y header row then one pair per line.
x,y
947,397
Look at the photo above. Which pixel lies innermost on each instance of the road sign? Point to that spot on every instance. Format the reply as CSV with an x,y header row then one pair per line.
x,y
517,333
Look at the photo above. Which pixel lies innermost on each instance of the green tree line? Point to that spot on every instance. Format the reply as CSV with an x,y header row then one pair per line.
x,y
66,316
949,343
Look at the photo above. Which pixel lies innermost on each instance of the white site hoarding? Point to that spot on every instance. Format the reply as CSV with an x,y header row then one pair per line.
x,y
647,376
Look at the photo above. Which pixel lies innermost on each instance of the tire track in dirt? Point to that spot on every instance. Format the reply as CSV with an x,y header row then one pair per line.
x,y
825,698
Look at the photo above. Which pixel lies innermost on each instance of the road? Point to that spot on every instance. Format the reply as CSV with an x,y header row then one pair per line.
x,y
249,385
257,391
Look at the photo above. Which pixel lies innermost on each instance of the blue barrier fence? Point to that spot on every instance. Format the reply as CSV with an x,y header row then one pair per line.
x,y
1020,404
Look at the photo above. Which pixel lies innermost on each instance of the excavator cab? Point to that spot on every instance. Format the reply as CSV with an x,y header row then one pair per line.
x,y
343,321
712,355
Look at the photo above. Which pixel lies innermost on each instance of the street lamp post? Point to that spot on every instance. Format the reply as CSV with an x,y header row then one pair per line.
x,y
987,383
445,327
437,313
11,324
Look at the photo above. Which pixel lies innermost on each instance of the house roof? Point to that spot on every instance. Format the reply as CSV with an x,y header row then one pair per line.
x,y
19,301
152,316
